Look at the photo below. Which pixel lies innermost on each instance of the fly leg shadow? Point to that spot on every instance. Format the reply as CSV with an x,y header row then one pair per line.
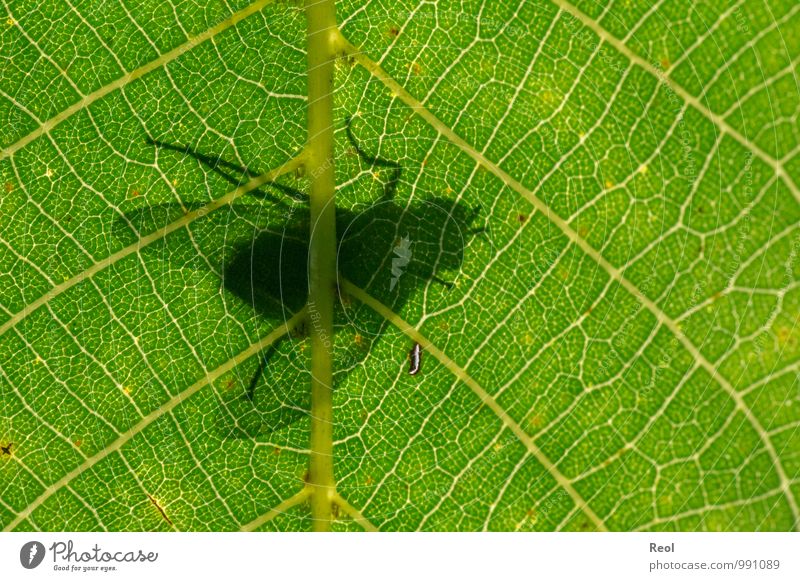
x,y
299,332
269,402
395,169
235,174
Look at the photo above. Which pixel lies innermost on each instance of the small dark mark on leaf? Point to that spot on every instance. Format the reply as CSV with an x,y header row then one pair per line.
x,y
161,510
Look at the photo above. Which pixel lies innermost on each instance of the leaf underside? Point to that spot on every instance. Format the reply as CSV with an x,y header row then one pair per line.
x,y
585,213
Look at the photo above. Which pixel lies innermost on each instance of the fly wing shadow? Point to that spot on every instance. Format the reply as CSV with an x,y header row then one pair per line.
x,y
271,275
389,249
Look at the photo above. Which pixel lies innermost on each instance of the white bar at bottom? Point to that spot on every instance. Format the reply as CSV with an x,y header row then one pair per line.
x,y
403,556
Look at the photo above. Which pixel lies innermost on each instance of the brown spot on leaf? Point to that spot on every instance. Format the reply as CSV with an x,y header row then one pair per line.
x,y
160,510
784,335
9,187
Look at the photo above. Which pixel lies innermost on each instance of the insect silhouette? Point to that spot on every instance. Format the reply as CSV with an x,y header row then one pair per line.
x,y
270,273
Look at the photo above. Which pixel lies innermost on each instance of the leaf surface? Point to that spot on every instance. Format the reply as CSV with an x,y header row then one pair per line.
x,y
585,214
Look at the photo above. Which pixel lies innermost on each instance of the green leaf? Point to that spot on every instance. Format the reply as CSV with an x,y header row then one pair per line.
x,y
586,216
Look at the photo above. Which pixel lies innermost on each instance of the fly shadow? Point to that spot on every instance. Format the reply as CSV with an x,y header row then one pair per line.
x,y
388,248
